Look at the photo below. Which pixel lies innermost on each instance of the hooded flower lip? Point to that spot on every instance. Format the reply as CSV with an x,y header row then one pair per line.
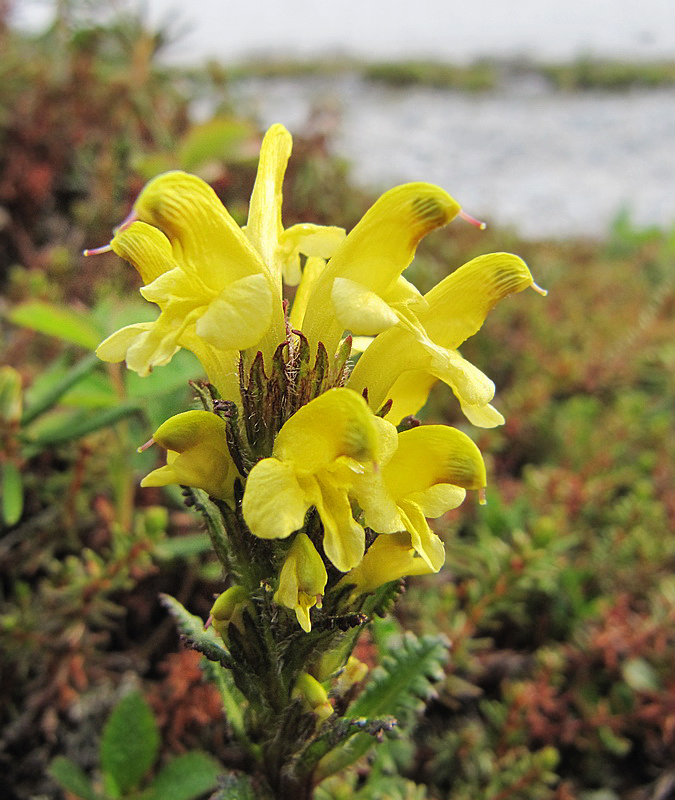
x,y
197,454
427,475
404,362
302,580
361,288
390,558
325,453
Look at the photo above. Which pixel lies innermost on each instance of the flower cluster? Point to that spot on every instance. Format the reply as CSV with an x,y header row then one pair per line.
x,y
292,442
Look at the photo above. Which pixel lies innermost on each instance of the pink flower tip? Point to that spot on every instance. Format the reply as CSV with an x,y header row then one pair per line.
x,y
94,251
472,220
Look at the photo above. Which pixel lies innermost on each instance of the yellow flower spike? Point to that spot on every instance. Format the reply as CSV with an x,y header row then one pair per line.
x,y
197,454
390,558
362,280
324,454
302,581
427,475
228,608
313,695
403,363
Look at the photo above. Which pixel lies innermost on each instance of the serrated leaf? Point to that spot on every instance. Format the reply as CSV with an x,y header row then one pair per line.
x,y
192,628
71,778
404,678
62,323
12,493
400,684
185,778
130,742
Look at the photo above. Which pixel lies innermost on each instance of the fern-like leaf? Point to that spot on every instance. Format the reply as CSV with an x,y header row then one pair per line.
x,y
399,686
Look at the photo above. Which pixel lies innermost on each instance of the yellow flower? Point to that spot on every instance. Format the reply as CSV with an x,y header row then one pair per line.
x,y
325,453
361,289
302,581
404,362
208,281
313,695
427,475
218,287
390,557
228,608
197,454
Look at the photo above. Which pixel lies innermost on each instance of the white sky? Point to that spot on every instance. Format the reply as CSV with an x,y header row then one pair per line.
x,y
455,30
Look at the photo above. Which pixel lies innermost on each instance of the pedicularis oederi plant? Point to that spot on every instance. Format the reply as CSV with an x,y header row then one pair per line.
x,y
315,481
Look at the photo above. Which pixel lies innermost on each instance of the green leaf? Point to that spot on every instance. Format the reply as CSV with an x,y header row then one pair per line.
x,y
46,396
185,778
183,546
12,493
60,428
130,742
71,778
401,684
63,323
219,139
192,628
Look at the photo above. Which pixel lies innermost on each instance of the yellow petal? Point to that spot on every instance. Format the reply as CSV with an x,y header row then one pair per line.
x,y
431,454
403,365
423,539
146,248
343,537
377,251
221,366
302,580
360,310
313,268
206,241
197,454
274,502
336,423
313,241
459,304
264,227
438,499
482,416
239,316
115,347
389,558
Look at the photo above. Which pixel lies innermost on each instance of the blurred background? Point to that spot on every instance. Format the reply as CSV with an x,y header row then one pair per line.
x,y
552,121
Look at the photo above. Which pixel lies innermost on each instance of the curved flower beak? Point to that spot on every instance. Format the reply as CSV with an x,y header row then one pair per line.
x,y
404,362
197,454
360,289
